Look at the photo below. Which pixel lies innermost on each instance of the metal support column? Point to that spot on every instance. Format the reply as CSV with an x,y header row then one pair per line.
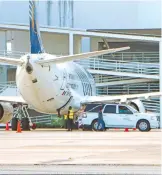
x,y
160,61
49,3
71,43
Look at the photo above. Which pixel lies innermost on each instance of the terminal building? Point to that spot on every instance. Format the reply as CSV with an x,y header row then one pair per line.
x,y
133,71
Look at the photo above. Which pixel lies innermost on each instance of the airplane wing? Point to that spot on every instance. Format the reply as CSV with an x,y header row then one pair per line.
x,y
120,98
12,99
63,59
11,61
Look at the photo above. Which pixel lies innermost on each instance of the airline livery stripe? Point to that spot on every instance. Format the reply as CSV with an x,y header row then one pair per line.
x,y
87,89
83,80
88,84
31,3
31,6
30,15
80,80
30,9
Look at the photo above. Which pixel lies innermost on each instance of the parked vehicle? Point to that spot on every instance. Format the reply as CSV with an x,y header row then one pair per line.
x,y
118,116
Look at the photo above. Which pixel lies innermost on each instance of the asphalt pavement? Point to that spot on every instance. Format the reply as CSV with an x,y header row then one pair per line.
x,y
51,151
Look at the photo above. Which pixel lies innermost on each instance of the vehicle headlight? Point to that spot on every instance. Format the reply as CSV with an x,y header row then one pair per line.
x,y
153,118
84,115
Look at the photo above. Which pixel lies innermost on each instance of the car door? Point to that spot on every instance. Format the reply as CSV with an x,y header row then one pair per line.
x,y
109,115
91,113
125,117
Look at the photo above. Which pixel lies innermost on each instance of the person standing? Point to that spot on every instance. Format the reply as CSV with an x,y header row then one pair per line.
x,y
100,120
65,121
70,119
80,116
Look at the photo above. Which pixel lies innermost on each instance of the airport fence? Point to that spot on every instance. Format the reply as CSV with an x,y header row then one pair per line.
x,y
120,66
144,57
51,121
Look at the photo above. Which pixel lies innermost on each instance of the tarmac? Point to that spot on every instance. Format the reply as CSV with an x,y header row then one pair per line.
x,y
59,148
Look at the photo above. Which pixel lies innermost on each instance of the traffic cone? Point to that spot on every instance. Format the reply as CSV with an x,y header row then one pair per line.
x,y
7,127
18,127
126,130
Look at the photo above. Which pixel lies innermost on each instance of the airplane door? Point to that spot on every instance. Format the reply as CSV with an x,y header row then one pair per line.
x,y
110,116
126,116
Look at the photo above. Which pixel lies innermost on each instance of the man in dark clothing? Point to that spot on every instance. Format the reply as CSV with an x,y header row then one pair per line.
x,y
100,120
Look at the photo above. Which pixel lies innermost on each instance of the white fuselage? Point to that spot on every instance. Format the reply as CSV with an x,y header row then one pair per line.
x,y
53,86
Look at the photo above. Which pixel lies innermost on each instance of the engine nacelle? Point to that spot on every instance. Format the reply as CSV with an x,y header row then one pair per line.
x,y
6,112
138,105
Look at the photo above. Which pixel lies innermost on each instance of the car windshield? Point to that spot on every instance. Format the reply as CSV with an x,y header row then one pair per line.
x,y
93,107
132,109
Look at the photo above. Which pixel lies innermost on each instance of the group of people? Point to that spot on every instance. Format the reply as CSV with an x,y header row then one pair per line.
x,y
69,119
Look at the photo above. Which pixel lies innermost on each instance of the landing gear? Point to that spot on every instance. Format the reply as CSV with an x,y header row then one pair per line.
x,y
58,110
25,124
21,113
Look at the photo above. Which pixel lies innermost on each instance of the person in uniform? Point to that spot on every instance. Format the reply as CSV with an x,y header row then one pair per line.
x,y
70,119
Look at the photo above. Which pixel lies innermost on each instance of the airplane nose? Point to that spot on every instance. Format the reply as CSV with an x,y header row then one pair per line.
x,y
29,67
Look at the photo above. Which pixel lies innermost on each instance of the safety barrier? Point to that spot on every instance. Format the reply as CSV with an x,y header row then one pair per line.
x,y
42,119
109,78
7,85
147,57
128,89
120,66
13,54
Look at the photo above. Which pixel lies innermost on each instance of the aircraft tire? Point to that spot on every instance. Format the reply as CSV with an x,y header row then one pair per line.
x,y
25,124
14,124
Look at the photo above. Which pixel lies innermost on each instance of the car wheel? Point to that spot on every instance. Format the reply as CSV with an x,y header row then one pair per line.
x,y
143,125
149,129
95,125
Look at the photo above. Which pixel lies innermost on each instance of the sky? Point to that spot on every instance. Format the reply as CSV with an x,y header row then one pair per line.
x,y
116,14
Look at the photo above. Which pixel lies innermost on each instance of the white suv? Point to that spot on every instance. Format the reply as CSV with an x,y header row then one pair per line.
x,y
118,116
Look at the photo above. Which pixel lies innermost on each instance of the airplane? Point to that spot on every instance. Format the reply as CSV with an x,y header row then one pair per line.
x,y
50,83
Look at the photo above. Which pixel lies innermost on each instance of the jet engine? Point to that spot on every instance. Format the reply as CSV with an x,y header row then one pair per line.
x,y
137,104
6,112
